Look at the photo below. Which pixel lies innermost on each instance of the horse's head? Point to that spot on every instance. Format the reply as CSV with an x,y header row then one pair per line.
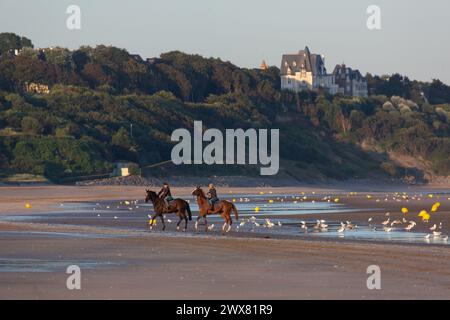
x,y
150,195
198,192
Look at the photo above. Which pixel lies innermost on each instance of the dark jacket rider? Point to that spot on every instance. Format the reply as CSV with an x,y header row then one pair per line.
x,y
165,194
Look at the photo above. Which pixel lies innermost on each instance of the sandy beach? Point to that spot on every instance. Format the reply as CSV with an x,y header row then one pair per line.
x,y
120,261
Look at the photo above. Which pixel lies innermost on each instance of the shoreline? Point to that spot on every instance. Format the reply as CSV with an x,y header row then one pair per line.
x,y
120,262
46,197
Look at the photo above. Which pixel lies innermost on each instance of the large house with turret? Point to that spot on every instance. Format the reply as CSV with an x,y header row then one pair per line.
x,y
306,71
349,81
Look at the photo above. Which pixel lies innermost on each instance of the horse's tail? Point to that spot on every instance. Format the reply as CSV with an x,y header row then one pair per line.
x,y
233,207
188,208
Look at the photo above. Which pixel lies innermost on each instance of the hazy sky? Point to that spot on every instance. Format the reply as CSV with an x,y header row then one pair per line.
x,y
414,39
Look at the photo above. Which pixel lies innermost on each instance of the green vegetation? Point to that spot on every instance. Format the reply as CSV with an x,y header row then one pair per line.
x,y
84,124
10,41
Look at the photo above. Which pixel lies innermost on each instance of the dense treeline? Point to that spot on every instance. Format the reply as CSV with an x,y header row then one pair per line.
x,y
84,124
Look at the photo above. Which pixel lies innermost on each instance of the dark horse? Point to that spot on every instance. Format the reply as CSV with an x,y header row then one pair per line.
x,y
177,206
221,207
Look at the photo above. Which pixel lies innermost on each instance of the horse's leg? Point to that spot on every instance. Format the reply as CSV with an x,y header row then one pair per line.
x,y
224,224
229,222
185,223
152,220
196,222
162,220
178,224
206,223
223,227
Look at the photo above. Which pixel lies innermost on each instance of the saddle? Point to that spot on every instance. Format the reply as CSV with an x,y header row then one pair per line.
x,y
168,205
216,206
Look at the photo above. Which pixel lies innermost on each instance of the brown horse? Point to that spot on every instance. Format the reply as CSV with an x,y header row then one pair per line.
x,y
177,206
222,207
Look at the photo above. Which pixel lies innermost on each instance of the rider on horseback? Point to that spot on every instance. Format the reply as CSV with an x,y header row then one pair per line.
x,y
212,196
165,194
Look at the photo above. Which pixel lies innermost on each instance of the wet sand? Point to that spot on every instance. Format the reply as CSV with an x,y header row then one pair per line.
x,y
154,265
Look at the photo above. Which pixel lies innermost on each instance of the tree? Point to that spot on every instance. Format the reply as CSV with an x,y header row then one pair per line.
x,y
31,126
121,138
11,41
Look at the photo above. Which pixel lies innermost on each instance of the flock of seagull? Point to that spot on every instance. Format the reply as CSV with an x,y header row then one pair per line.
x,y
388,225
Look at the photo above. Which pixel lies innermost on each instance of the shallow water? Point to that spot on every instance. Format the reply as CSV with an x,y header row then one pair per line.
x,y
284,210
42,265
366,233
50,234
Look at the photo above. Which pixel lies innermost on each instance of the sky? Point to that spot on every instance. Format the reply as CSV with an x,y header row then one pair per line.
x,y
413,39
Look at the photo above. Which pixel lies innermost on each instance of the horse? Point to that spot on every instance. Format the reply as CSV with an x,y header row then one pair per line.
x,y
221,207
177,206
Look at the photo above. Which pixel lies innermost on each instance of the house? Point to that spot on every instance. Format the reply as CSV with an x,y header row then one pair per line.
x,y
349,81
305,71
136,58
264,65
122,168
33,87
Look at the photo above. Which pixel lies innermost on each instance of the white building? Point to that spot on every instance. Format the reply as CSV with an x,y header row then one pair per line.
x,y
306,71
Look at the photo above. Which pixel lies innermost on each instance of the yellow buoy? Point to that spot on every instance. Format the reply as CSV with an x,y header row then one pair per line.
x,y
336,200
27,205
404,210
256,209
270,201
424,215
435,207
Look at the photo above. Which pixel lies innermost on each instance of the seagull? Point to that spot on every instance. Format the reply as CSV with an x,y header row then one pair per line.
x,y
269,223
370,220
386,222
350,226
428,236
211,227
434,227
437,233
304,226
341,229
395,222
388,229
321,225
